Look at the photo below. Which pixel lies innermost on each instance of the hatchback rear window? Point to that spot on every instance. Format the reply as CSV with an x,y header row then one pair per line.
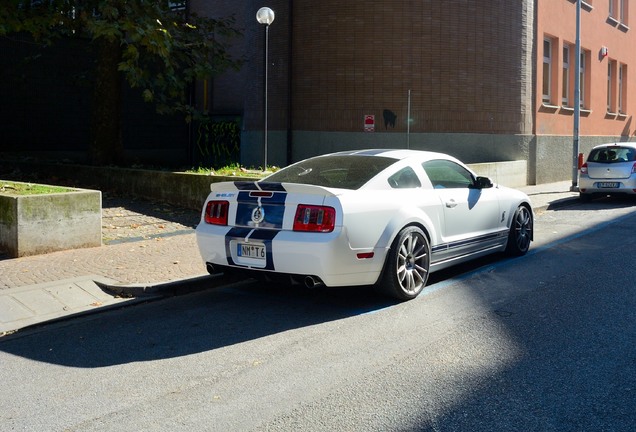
x,y
345,172
612,155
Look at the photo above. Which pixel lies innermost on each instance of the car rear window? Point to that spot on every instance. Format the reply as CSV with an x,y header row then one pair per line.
x,y
612,155
346,172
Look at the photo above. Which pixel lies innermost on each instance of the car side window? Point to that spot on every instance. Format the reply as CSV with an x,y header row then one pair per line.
x,y
404,179
448,174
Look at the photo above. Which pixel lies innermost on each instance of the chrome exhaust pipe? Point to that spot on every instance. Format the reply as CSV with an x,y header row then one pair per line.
x,y
312,282
210,268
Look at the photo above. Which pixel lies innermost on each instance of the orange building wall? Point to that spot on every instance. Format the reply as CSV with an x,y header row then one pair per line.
x,y
557,19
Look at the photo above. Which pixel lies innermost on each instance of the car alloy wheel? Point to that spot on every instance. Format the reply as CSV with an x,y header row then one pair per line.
x,y
520,234
408,264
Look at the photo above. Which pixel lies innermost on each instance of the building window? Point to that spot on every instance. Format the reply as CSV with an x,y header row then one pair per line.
x,y
583,84
622,79
618,11
547,70
611,86
565,93
622,11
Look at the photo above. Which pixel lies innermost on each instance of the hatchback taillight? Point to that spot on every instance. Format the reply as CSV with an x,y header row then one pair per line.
x,y
216,212
634,169
584,168
314,218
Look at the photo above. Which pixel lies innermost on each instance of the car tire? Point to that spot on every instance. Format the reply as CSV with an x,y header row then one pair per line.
x,y
583,197
407,266
520,234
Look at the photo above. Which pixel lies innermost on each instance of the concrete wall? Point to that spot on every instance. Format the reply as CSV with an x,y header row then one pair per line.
x,y
551,158
38,224
177,188
469,148
191,190
512,174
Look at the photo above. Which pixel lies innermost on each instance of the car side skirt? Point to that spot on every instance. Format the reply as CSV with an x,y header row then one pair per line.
x,y
449,254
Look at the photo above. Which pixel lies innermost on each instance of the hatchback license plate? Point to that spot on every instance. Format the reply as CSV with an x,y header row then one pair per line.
x,y
607,185
251,250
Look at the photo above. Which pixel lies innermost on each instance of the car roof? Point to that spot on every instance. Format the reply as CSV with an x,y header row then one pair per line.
x,y
616,144
397,154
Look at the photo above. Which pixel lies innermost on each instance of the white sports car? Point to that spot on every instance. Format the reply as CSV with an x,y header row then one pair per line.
x,y
371,217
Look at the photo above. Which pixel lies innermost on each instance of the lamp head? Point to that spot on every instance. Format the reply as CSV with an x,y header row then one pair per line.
x,y
265,16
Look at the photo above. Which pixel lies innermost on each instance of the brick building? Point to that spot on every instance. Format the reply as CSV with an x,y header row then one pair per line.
x,y
484,80
471,73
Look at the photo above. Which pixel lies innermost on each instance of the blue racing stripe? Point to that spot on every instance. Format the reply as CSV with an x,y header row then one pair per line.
x,y
271,209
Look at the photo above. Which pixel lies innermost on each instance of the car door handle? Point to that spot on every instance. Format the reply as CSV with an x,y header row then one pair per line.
x,y
451,203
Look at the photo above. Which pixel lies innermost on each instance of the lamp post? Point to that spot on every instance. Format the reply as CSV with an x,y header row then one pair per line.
x,y
265,16
577,100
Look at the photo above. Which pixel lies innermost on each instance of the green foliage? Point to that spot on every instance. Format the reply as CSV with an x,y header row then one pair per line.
x,y
218,142
163,51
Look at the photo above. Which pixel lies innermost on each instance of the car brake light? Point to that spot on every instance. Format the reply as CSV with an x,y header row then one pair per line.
x,y
584,168
634,169
314,218
216,212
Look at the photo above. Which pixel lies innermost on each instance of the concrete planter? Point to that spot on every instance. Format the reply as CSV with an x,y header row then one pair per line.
x,y
43,223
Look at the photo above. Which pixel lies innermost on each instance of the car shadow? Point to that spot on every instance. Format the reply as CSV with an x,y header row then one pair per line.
x,y
600,202
189,324
201,321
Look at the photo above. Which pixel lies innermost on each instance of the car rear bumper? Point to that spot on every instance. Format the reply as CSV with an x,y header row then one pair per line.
x,y
324,256
589,185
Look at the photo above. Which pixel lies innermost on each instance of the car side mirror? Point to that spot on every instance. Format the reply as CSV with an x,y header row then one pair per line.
x,y
483,183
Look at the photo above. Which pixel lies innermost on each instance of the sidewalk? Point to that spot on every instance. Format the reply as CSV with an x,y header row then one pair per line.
x,y
149,250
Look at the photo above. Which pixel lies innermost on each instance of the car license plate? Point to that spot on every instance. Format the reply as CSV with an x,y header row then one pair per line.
x,y
607,184
251,250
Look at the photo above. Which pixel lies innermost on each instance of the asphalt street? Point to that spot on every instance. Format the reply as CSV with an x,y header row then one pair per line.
x,y
538,343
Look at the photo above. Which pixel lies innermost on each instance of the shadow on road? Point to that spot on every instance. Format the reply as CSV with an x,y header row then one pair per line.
x,y
189,324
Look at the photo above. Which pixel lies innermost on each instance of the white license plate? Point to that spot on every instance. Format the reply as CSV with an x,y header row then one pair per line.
x,y
250,250
607,184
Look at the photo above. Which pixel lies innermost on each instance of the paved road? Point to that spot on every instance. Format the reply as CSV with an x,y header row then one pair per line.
x,y
540,343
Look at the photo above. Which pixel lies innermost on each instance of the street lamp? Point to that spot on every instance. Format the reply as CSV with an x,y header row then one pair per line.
x,y
577,100
265,16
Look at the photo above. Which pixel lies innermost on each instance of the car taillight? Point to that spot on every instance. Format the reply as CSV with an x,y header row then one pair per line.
x,y
314,218
584,168
216,212
634,169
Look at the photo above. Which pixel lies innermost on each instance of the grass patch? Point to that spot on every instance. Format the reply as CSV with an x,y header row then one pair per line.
x,y
233,170
13,188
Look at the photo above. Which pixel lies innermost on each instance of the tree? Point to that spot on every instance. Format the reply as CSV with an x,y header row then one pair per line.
x,y
147,43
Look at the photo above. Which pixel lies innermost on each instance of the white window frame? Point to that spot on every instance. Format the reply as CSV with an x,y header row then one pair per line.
x,y
621,11
609,86
582,82
621,109
547,98
565,94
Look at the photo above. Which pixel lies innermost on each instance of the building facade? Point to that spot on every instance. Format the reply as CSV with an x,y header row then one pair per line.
x,y
606,64
484,80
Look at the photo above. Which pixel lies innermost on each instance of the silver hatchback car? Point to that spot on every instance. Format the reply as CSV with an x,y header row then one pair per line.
x,y
610,169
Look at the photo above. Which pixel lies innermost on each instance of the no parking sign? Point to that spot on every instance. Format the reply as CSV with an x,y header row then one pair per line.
x,y
369,123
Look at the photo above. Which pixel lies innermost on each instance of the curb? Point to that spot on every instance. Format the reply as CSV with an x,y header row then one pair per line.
x,y
172,288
